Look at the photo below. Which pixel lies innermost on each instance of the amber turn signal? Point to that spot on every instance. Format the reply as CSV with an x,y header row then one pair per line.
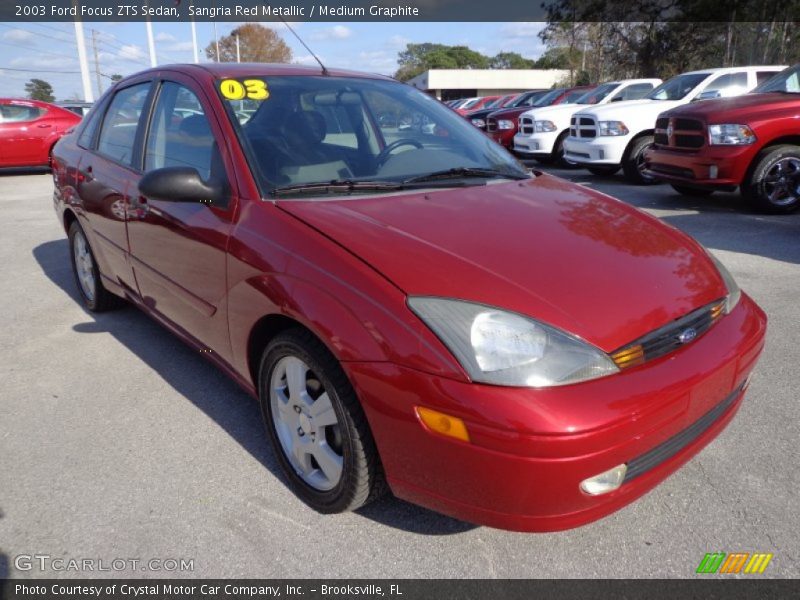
x,y
629,357
441,423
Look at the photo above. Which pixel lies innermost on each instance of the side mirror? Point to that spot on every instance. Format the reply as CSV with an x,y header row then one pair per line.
x,y
181,184
617,98
708,95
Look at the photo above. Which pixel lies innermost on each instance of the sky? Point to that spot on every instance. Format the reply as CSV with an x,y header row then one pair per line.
x,y
122,47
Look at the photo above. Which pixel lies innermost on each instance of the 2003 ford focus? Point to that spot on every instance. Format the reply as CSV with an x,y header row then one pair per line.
x,y
411,307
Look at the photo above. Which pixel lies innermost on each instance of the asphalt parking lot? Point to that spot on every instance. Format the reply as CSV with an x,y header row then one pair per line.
x,y
117,441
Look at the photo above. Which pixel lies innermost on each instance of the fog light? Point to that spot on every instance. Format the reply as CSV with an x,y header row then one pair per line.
x,y
442,423
605,482
712,172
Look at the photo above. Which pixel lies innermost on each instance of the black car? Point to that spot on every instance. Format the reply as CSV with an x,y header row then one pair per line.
x,y
478,117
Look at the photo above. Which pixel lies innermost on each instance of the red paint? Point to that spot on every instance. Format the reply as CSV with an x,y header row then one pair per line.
x,y
773,117
559,252
27,142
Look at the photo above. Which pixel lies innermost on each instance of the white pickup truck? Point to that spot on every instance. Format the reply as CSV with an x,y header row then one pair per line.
x,y
542,131
611,136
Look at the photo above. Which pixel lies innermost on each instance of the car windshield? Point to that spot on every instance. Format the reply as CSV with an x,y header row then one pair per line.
x,y
303,130
597,94
677,87
785,81
548,98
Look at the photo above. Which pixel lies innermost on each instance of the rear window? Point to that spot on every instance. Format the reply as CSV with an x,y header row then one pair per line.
x,y
118,133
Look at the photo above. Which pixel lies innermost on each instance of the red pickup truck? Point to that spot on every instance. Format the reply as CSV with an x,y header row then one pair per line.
x,y
751,142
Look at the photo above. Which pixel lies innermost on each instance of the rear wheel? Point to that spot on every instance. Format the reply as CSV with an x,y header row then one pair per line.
x,y
317,426
691,191
633,164
603,171
87,276
773,186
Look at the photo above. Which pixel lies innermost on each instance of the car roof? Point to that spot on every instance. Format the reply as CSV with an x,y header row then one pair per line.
x,y
235,70
776,68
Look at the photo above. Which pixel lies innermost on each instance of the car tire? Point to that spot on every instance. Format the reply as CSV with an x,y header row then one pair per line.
x,y
773,185
603,171
691,191
559,154
326,451
95,297
633,162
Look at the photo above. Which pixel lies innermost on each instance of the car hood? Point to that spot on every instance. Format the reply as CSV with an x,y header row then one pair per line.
x,y
619,111
558,252
508,113
557,111
738,108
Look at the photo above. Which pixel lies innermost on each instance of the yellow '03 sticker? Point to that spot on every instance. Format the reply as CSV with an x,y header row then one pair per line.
x,y
254,89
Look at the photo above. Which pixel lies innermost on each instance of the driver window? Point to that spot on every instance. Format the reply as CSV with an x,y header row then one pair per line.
x,y
729,84
180,134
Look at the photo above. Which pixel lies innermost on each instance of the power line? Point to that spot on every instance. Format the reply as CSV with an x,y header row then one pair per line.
x,y
36,33
32,49
38,71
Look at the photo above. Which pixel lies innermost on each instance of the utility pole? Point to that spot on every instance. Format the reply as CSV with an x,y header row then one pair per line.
x,y
87,84
97,64
151,43
194,42
238,55
216,40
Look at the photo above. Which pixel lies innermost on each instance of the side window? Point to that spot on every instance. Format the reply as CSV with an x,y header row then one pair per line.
x,y
636,91
729,84
118,132
15,113
180,134
91,123
763,76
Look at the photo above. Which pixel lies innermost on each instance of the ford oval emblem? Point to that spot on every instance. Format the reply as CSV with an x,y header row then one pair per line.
x,y
687,335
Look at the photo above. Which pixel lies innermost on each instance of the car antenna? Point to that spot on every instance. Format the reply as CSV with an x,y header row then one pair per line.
x,y
324,69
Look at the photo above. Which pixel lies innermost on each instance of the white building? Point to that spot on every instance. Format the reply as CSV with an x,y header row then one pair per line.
x,y
448,84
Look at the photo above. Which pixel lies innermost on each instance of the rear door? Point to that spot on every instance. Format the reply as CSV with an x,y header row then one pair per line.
x,y
179,249
107,172
21,133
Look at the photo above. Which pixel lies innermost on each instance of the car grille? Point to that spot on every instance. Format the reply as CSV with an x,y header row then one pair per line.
x,y
663,452
582,127
686,134
491,124
526,125
670,337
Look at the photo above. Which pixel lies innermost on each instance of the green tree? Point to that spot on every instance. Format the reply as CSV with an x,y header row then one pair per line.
x,y
115,78
417,58
256,44
39,89
511,60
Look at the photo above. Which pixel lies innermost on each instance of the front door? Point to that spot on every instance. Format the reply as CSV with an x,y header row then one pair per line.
x,y
179,249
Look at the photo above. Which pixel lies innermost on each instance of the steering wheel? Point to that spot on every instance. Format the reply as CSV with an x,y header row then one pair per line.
x,y
386,152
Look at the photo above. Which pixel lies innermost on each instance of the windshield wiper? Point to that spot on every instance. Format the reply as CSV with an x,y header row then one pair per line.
x,y
465,172
347,186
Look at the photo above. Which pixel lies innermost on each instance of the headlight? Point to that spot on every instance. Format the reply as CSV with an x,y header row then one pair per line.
x,y
730,135
504,124
479,123
612,128
541,126
505,348
734,293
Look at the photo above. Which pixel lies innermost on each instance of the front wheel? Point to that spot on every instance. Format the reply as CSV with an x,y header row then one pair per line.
x,y
316,425
691,191
774,184
633,164
559,153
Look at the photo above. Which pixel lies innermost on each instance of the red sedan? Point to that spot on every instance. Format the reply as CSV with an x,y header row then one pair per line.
x,y
29,129
411,308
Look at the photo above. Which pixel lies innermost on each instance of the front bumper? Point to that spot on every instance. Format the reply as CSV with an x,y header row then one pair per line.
x,y
714,167
536,144
530,449
605,150
504,137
